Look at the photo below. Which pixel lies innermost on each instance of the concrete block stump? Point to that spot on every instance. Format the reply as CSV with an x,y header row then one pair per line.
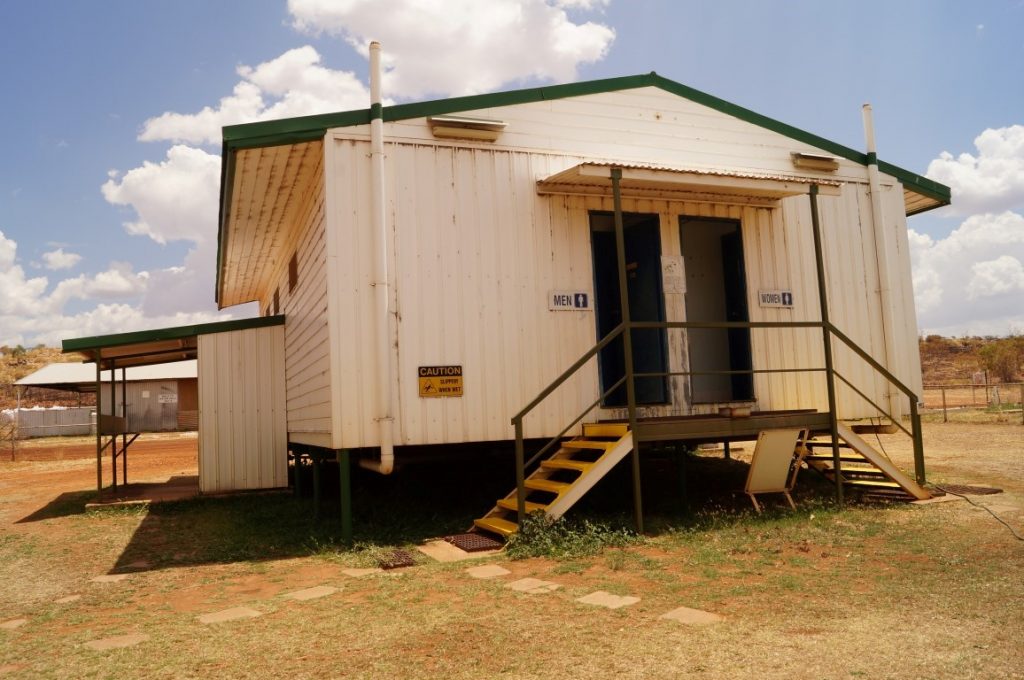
x,y
311,593
603,599
533,586
487,571
13,623
116,642
233,614
692,617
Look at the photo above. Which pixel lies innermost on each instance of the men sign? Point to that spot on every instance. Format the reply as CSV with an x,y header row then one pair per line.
x,y
569,301
440,381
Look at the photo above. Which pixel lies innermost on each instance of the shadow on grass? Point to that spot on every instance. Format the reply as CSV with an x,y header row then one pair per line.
x,y
429,501
67,504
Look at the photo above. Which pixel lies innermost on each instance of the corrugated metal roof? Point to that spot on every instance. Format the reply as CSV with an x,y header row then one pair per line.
x,y
646,179
73,373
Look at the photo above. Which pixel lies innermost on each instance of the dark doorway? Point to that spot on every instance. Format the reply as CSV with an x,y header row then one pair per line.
x,y
716,290
646,303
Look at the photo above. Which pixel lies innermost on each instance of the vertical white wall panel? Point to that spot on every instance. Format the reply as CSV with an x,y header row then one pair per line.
x,y
307,337
242,410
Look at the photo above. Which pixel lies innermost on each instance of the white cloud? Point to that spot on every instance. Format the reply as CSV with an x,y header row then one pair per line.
x,y
972,281
446,47
295,83
58,259
173,200
992,180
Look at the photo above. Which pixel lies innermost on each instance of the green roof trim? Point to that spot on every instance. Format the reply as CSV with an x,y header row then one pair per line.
x,y
310,128
176,333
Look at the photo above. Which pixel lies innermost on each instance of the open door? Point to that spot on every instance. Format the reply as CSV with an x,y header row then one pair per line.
x,y
646,303
716,290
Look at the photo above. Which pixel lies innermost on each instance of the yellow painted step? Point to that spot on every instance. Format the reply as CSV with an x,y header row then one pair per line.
x,y
873,483
510,504
546,485
588,444
566,464
498,526
605,429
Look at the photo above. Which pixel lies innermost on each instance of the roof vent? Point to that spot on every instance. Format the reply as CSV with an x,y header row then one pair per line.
x,y
461,127
815,161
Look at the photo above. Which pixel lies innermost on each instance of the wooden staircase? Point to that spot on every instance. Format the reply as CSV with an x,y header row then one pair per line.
x,y
862,468
564,477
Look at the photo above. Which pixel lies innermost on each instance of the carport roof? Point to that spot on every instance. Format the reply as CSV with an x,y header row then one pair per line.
x,y
156,346
80,377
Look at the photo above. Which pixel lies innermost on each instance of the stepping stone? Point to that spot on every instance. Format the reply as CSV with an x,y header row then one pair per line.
x,y
13,623
116,642
487,571
232,614
138,565
356,573
692,617
69,598
110,578
534,586
603,599
311,593
443,551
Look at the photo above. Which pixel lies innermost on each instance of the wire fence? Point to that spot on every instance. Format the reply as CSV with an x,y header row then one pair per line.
x,y
975,401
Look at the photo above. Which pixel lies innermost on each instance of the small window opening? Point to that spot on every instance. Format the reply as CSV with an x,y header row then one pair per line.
x,y
293,272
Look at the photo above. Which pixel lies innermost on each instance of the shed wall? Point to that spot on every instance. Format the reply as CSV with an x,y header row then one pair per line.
x,y
476,250
307,341
242,411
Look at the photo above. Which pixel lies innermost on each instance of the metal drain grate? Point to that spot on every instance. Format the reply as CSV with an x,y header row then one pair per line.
x,y
970,490
473,542
396,560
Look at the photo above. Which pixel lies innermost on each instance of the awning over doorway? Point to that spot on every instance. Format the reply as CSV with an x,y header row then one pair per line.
x,y
657,181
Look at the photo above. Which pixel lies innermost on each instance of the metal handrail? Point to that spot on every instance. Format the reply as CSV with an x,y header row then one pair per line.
x,y
517,420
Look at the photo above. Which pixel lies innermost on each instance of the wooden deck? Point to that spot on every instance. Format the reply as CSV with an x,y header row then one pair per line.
x,y
701,429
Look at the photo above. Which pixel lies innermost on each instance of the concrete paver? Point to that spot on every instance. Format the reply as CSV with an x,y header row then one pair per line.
x,y
601,598
487,571
13,623
232,614
109,578
443,551
693,617
116,642
534,586
311,593
356,573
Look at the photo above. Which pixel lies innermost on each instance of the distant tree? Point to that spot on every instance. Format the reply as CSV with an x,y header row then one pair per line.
x,y
1003,357
18,355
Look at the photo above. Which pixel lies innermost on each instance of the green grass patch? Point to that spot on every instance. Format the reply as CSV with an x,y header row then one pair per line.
x,y
563,539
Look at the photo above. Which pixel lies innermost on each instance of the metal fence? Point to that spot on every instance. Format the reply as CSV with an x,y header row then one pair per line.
x,y
999,398
51,422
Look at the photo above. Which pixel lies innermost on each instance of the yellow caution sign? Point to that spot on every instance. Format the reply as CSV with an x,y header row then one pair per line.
x,y
440,381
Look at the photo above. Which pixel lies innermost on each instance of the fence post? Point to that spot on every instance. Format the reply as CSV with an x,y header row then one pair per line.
x,y
1022,403
945,416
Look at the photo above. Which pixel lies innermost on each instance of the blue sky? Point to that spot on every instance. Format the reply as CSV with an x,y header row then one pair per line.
x,y
83,79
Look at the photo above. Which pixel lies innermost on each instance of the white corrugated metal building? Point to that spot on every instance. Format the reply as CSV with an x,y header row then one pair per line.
x,y
494,202
439,264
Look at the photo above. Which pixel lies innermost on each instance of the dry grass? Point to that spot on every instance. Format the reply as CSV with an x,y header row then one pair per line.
x,y
873,592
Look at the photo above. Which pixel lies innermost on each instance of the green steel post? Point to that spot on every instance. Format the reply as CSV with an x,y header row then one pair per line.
x,y
316,486
113,414
915,424
627,345
345,492
520,472
99,436
124,414
826,335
